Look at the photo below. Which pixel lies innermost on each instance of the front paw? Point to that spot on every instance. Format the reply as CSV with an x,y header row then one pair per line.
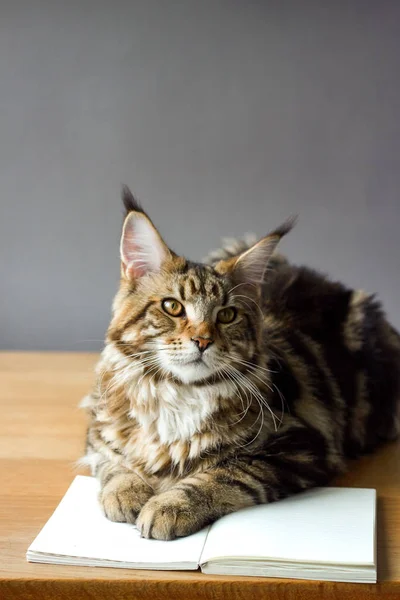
x,y
123,497
168,516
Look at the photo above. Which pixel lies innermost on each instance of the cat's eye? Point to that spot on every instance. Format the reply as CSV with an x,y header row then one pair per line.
x,y
172,307
226,315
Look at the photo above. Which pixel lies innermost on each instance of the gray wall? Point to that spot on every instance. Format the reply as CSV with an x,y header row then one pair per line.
x,y
223,116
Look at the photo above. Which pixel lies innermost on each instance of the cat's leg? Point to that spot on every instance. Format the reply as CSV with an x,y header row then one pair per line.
x,y
291,464
123,493
196,501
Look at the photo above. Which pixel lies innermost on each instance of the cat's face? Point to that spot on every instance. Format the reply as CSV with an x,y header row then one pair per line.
x,y
187,320
182,319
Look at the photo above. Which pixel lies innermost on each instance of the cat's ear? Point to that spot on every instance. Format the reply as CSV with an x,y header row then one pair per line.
x,y
142,248
250,266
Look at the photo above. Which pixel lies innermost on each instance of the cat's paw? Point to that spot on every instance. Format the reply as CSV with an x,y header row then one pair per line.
x,y
123,497
168,516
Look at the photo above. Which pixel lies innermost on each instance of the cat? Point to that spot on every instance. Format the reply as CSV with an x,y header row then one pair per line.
x,y
231,383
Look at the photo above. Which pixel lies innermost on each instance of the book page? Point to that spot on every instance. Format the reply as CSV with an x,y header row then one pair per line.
x,y
323,525
78,528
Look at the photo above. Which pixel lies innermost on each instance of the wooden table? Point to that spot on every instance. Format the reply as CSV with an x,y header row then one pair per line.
x,y
41,435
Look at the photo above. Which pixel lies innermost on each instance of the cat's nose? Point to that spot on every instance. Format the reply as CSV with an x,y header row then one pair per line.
x,y
202,343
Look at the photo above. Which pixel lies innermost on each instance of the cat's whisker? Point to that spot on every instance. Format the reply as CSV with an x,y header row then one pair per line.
x,y
251,364
237,393
249,307
160,369
126,374
244,412
256,393
105,393
251,300
138,354
154,365
240,284
254,374
131,369
261,413
239,383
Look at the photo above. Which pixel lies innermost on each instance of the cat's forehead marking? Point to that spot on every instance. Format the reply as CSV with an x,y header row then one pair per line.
x,y
200,285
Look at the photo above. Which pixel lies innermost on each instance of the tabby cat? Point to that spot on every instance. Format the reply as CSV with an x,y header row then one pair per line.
x,y
231,383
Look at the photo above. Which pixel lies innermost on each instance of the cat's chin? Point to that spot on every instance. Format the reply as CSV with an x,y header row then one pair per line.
x,y
191,372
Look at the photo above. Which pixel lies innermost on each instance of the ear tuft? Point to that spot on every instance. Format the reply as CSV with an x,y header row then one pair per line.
x,y
285,227
130,202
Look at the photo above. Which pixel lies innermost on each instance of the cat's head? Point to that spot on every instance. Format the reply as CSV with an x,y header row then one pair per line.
x,y
183,319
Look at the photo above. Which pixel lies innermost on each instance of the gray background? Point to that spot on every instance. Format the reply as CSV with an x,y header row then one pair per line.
x,y
223,116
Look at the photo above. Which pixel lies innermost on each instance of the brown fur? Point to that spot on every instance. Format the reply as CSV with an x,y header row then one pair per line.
x,y
306,376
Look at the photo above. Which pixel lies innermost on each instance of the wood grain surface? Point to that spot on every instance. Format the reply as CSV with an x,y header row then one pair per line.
x,y
42,434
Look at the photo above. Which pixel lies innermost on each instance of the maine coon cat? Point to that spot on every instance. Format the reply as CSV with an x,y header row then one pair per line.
x,y
233,383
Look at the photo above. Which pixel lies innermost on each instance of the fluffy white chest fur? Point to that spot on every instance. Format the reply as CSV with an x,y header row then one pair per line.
x,y
177,412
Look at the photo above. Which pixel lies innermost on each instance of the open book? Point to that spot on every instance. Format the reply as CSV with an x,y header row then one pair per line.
x,y
325,533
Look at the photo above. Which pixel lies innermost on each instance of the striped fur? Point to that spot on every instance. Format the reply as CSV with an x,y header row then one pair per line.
x,y
305,377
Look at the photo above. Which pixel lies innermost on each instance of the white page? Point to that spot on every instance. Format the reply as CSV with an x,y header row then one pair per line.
x,y
79,528
323,525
